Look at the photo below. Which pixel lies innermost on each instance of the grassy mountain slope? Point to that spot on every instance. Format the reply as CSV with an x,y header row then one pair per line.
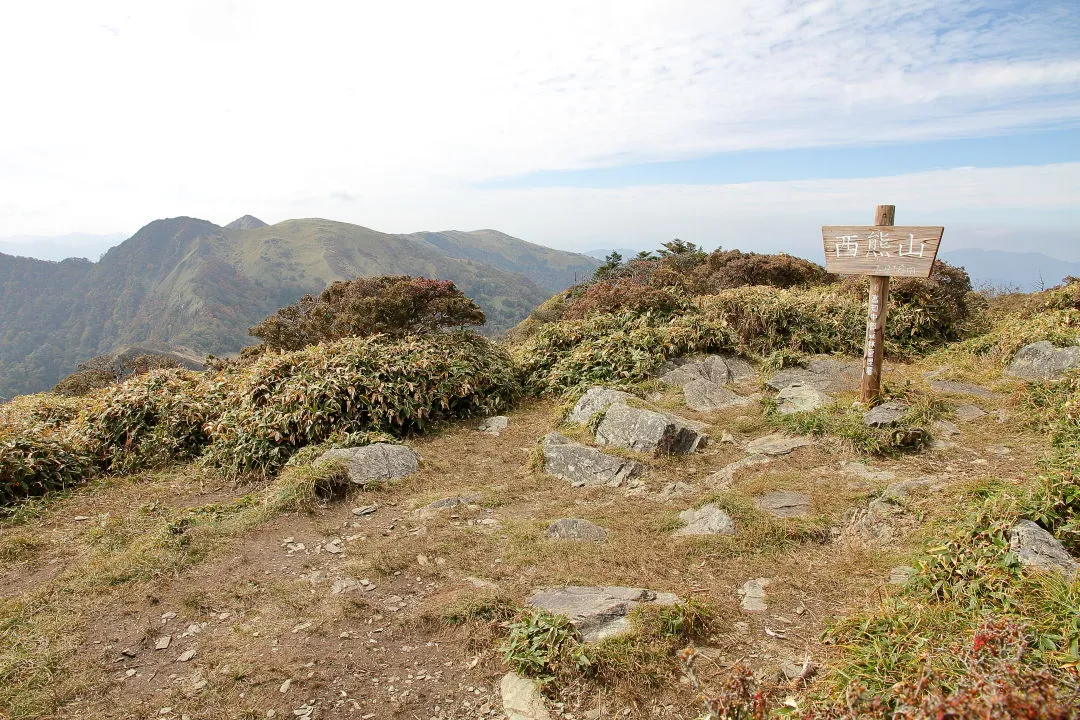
x,y
189,285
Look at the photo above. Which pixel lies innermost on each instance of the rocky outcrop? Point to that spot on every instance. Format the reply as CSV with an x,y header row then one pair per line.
x,y
703,379
776,444
380,462
584,466
1043,361
885,415
1035,547
800,398
597,612
649,431
824,374
596,399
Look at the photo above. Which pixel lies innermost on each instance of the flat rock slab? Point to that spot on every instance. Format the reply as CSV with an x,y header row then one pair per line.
x,y
596,399
885,415
706,520
585,466
649,431
521,698
380,462
968,412
962,388
1035,547
866,472
718,369
708,396
723,477
797,398
753,595
824,374
1043,361
776,444
785,503
597,612
494,425
575,529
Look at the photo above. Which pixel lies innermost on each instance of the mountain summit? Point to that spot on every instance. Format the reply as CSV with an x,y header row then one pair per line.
x,y
191,287
247,222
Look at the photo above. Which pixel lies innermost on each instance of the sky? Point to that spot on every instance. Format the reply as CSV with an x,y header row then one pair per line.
x,y
734,123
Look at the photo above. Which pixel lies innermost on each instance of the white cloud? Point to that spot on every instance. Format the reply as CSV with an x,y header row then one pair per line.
x,y
122,111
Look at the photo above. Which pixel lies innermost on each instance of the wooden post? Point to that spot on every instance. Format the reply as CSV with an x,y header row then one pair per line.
x,y
874,354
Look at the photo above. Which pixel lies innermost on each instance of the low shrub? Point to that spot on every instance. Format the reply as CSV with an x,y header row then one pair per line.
x,y
726,269
285,401
152,419
25,411
41,459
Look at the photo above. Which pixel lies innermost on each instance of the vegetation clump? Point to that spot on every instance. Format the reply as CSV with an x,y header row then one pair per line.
x,y
392,305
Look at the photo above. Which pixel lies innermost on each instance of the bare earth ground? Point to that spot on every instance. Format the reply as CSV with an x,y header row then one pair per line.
x,y
91,586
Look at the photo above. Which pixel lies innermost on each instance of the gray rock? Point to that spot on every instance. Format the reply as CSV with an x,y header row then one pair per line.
x,y
998,450
753,595
706,520
944,428
596,399
785,503
674,490
824,374
865,472
448,503
597,612
801,398
345,585
649,431
1043,361
722,478
494,425
576,529
365,510
776,444
583,465
707,396
380,462
885,415
718,369
962,388
900,574
1035,547
968,412
798,671
521,698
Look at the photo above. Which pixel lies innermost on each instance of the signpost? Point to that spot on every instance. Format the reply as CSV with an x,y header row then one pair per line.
x,y
880,250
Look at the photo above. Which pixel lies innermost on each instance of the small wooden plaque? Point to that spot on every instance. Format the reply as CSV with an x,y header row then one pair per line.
x,y
881,249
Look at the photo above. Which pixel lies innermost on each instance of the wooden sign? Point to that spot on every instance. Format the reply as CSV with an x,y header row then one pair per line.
x,y
881,249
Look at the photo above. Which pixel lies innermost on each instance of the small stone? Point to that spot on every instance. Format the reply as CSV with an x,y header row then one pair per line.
x,y
706,520
885,415
866,472
80,518
285,686
494,425
723,477
968,412
776,444
900,574
163,642
521,698
344,585
998,450
576,529
798,671
333,547
945,428
199,684
186,655
365,510
753,595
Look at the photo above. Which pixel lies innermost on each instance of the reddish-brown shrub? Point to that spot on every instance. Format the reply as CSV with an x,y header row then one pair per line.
x,y
726,269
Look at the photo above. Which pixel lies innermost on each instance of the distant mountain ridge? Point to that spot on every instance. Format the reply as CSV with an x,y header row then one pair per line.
x,y
1026,272
193,287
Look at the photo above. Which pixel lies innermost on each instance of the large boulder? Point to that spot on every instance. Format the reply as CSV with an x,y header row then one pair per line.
x,y
597,612
1035,547
584,466
380,462
1043,361
596,399
649,431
